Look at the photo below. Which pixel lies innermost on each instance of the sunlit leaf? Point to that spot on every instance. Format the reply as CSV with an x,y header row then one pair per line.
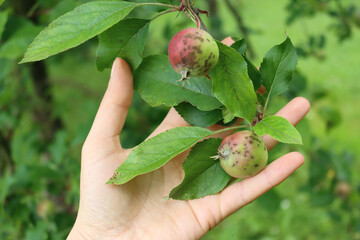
x,y
278,128
278,66
76,27
232,85
155,152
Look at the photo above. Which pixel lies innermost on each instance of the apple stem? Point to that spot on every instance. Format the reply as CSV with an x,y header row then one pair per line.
x,y
197,12
188,14
198,24
193,13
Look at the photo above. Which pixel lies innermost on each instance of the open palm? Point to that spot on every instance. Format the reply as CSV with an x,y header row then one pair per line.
x,y
138,209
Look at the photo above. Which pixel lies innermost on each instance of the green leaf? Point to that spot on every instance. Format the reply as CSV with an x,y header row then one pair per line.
x,y
278,128
278,66
1,2
126,39
157,82
196,117
254,73
155,152
261,99
232,85
227,115
159,1
240,46
76,27
3,20
203,175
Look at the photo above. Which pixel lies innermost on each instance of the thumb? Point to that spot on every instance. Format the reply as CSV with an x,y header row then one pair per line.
x,y
116,102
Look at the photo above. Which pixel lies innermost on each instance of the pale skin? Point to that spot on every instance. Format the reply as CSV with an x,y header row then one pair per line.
x,y
138,209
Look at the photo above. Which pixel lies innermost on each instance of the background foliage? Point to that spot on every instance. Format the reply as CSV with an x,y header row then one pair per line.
x,y
47,107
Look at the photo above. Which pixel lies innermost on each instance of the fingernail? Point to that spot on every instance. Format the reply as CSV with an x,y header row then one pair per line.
x,y
114,67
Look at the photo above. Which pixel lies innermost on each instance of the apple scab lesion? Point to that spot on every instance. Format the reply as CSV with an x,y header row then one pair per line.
x,y
189,51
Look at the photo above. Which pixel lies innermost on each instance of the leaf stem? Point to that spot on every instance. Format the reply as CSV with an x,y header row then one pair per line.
x,y
230,128
198,18
193,13
165,12
157,4
190,16
198,24
267,101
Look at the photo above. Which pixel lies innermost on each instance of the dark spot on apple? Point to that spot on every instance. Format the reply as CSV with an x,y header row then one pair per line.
x,y
199,38
197,49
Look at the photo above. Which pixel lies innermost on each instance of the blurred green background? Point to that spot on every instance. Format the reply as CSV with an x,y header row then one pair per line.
x,y
47,108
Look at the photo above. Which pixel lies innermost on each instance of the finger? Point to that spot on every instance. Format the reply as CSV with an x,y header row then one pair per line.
x,y
113,109
294,111
228,41
244,192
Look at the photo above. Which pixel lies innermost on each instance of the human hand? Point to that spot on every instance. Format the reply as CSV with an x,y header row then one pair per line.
x,y
137,209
